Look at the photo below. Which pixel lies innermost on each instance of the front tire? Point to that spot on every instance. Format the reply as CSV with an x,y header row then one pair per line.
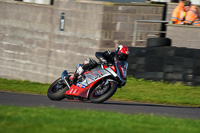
x,y
99,94
57,90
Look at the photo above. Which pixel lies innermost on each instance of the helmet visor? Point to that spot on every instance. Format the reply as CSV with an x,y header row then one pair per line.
x,y
122,57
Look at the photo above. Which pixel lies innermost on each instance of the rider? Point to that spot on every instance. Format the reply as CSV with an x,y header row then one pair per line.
x,y
107,58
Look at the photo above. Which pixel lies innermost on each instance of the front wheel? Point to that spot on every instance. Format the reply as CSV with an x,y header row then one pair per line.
x,y
57,90
103,91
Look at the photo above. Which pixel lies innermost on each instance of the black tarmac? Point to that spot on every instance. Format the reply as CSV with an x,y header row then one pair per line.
x,y
30,100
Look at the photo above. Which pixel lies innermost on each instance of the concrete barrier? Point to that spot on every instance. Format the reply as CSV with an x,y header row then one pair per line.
x,y
184,35
32,47
174,64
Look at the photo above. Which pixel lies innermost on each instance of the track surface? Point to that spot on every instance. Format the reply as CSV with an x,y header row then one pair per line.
x,y
18,99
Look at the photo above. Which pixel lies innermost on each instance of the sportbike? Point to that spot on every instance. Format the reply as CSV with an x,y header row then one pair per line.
x,y
96,85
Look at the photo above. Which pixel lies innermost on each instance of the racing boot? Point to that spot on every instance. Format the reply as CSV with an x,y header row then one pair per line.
x,y
73,78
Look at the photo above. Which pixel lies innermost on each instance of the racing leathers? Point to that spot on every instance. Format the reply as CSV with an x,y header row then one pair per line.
x,y
107,57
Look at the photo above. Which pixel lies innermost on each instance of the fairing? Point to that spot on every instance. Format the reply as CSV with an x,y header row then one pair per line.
x,y
90,78
122,67
82,88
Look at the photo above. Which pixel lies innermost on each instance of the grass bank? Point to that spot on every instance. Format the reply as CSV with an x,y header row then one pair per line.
x,y
51,120
135,90
159,92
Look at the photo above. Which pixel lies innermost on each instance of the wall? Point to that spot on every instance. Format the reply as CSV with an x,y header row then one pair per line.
x,y
119,20
184,36
32,47
25,38
170,8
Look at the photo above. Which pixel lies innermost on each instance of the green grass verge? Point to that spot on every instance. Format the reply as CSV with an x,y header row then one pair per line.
x,y
135,90
23,86
159,92
51,120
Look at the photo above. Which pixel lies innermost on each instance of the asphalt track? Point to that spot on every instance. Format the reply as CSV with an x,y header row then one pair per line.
x,y
29,100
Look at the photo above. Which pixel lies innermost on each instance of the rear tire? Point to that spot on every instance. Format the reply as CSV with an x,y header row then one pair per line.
x,y
158,42
57,90
99,98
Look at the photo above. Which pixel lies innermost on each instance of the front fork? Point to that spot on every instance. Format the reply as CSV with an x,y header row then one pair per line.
x,y
65,76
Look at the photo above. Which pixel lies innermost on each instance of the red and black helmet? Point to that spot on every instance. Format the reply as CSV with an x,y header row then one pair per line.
x,y
122,53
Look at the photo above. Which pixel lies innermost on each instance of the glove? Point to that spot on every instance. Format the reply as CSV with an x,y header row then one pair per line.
x,y
103,60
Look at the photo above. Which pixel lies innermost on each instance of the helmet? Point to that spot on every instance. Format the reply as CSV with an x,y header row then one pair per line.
x,y
122,53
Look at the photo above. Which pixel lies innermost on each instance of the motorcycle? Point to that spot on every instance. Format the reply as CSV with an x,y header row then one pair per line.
x,y
96,85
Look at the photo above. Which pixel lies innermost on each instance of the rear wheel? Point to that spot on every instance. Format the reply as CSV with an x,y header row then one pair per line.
x,y
158,42
57,90
103,91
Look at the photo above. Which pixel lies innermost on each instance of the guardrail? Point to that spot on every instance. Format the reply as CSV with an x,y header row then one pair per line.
x,y
135,31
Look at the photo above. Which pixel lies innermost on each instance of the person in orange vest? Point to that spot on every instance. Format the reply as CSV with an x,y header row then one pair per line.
x,y
178,14
192,16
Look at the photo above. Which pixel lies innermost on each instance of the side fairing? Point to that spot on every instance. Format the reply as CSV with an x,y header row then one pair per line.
x,y
93,75
122,71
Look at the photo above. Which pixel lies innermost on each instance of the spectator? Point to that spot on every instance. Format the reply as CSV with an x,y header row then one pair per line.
x,y
178,14
192,16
